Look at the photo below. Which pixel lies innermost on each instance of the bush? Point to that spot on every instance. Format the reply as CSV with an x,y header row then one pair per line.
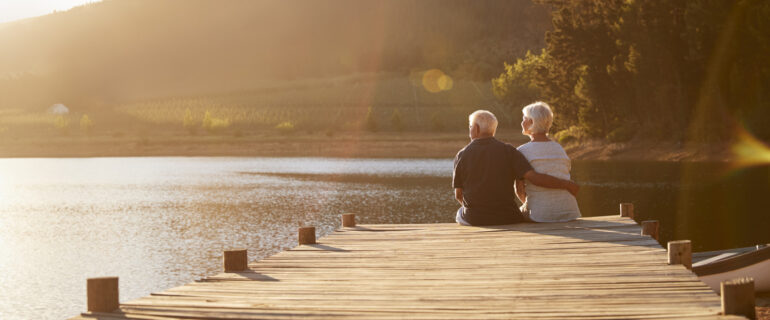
x,y
212,124
285,127
188,122
570,135
396,121
86,125
621,134
370,123
62,123
436,121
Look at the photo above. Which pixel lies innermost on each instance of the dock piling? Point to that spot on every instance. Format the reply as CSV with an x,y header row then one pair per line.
x,y
627,210
235,260
349,220
306,235
650,228
738,297
102,294
680,252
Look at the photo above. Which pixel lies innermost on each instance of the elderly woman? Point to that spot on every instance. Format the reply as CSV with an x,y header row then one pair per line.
x,y
548,157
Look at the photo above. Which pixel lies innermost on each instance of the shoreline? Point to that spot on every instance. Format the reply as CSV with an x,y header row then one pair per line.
x,y
342,145
640,150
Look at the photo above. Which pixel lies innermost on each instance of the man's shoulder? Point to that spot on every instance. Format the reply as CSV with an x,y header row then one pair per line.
x,y
460,153
509,147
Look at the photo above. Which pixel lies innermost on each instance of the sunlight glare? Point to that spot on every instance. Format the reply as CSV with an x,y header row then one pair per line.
x,y
748,151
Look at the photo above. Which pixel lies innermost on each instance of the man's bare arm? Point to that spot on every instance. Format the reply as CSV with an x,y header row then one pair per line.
x,y
520,191
459,195
546,181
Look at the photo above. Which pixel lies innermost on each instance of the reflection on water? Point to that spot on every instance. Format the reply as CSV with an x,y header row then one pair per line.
x,y
712,204
162,222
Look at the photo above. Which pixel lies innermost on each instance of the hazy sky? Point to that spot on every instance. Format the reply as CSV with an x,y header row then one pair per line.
x,y
19,9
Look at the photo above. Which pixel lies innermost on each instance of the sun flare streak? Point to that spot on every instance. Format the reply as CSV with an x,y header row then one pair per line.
x,y
748,151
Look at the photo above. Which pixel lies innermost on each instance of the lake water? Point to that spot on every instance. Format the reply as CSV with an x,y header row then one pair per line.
x,y
162,222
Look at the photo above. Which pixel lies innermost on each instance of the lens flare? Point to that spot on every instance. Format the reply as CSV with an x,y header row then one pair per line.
x,y
435,80
445,83
748,151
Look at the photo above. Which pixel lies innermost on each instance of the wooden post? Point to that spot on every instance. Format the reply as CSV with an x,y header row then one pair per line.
x,y
235,260
627,210
738,297
680,252
306,235
349,220
102,294
650,228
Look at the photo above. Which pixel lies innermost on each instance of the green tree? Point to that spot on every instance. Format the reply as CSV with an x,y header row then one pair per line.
x,y
207,122
437,123
188,122
62,123
613,67
370,123
396,121
212,124
86,125
516,86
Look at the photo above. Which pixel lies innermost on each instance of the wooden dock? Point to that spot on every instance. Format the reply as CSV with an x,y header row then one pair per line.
x,y
593,268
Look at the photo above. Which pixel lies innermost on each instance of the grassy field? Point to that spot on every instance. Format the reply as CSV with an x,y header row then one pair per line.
x,y
375,103
362,115
340,104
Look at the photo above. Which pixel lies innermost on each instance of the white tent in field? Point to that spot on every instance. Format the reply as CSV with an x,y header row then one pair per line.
x,y
58,109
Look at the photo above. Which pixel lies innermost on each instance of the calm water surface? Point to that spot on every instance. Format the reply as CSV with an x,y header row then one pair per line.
x,y
162,222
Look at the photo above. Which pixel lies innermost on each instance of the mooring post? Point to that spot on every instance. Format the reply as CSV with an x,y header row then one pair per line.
x,y
306,235
627,210
738,297
680,252
102,294
349,220
235,260
650,228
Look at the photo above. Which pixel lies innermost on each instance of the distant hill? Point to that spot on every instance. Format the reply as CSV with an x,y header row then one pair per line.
x,y
125,50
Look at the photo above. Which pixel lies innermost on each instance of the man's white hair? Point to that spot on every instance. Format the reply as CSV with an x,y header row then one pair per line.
x,y
486,121
541,115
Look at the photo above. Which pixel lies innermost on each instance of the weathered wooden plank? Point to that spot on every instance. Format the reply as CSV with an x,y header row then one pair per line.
x,y
593,268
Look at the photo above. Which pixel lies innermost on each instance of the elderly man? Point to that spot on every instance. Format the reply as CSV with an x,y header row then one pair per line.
x,y
485,173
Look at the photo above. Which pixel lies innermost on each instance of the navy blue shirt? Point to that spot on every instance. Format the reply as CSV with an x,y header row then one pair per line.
x,y
486,169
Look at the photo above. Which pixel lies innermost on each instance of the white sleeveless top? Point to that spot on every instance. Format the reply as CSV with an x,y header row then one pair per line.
x,y
543,204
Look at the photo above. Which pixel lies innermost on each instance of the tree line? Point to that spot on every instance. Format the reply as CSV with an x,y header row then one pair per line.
x,y
678,69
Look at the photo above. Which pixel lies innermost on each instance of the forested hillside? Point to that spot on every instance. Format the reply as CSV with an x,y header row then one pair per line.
x,y
695,70
120,50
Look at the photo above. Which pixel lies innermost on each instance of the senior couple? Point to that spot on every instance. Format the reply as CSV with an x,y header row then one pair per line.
x,y
490,174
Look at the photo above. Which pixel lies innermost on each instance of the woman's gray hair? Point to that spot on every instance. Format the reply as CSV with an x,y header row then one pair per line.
x,y
486,121
541,115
